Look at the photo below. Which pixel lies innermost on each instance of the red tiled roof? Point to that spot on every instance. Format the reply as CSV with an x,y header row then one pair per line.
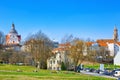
x,y
67,44
118,43
89,43
62,47
100,43
105,40
58,50
103,44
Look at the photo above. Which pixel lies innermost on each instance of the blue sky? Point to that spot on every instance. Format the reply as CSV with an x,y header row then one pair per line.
x,y
93,19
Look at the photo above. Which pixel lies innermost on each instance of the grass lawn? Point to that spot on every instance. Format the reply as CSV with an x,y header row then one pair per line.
x,y
9,72
97,66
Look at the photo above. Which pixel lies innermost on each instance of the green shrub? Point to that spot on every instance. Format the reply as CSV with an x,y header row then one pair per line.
x,y
63,67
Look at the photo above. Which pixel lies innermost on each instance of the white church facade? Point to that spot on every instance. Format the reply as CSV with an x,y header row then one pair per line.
x,y
13,39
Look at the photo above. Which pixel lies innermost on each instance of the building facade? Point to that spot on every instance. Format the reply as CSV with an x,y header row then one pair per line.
x,y
60,56
13,39
54,62
111,52
117,58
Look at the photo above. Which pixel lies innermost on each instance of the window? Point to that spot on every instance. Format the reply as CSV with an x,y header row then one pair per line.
x,y
54,62
58,62
57,68
59,56
50,62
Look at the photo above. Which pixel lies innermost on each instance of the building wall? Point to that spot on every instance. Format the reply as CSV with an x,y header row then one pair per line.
x,y
54,63
117,58
12,39
113,48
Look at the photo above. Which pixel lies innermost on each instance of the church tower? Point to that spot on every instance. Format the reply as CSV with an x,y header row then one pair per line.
x,y
12,38
115,34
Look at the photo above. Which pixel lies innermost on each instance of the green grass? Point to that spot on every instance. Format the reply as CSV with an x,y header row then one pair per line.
x,y
96,66
15,67
9,72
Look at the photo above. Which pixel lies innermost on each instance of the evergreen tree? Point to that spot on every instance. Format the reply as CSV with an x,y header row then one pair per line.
x,y
63,67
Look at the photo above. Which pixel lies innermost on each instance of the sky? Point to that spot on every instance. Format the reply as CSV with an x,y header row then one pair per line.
x,y
94,19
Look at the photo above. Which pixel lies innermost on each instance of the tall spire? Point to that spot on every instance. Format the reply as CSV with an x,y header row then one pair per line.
x,y
13,31
13,26
115,35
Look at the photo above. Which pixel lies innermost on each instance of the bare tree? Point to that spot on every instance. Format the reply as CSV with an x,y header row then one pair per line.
x,y
5,55
2,38
67,39
104,55
91,56
40,47
76,52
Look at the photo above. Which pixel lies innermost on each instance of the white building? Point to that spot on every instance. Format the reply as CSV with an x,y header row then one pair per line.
x,y
113,48
13,39
60,55
54,63
117,57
